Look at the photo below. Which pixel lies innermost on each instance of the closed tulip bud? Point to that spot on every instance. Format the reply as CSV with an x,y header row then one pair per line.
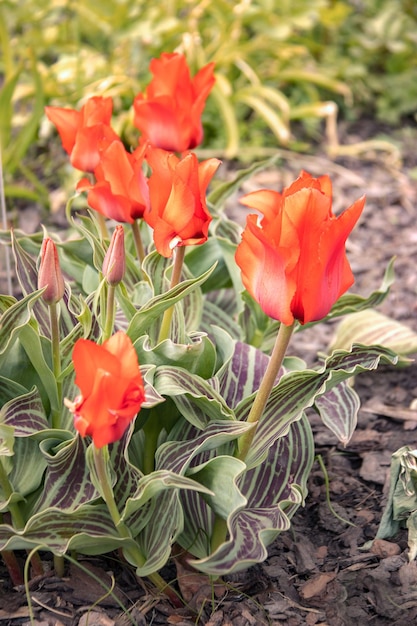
x,y
50,275
114,263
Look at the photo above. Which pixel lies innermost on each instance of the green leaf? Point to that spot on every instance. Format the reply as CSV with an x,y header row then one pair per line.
x,y
198,356
14,318
151,312
6,108
16,149
220,475
222,192
194,397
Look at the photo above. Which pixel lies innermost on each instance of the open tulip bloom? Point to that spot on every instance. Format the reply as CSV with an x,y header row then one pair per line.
x,y
150,406
293,259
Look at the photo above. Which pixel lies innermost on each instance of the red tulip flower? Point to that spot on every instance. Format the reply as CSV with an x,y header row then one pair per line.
x,y
177,209
169,113
85,133
293,260
111,386
120,191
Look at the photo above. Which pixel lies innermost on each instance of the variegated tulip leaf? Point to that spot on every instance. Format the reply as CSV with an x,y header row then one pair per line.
x,y
338,409
25,469
187,443
197,355
194,397
220,475
298,390
14,318
161,530
273,491
10,389
6,440
25,413
154,266
89,227
27,276
67,482
373,328
215,313
151,312
88,530
243,374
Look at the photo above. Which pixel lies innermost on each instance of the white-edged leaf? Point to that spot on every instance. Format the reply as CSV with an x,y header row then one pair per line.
x,y
298,390
195,398
273,490
371,327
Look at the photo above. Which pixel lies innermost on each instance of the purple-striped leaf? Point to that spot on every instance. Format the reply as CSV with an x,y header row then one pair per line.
x,y
25,414
67,483
338,409
195,398
273,491
88,530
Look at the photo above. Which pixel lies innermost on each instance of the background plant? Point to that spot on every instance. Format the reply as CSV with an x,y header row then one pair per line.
x,y
281,68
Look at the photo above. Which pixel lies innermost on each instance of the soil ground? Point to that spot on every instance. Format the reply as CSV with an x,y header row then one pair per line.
x,y
317,573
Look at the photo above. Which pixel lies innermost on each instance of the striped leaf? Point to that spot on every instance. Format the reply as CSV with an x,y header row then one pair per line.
x,y
151,312
88,530
14,317
273,492
25,414
370,327
67,483
338,409
298,390
195,398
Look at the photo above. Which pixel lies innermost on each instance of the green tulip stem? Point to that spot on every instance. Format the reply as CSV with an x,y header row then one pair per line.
x,y
265,388
175,279
133,552
13,507
219,532
56,360
151,429
102,225
138,241
110,312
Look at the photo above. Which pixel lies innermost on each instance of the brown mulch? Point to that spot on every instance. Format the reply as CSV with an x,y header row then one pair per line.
x,y
316,573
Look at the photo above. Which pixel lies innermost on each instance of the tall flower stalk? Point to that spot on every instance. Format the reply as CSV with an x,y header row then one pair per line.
x,y
164,331
51,280
114,266
133,553
293,263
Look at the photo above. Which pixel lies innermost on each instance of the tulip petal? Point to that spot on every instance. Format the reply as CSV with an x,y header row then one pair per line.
x,y
264,272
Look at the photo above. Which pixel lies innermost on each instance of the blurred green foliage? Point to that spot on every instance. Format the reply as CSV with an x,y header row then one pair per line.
x,y
281,65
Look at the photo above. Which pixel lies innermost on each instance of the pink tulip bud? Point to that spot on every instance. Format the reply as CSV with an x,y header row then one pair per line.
x,y
114,263
50,275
